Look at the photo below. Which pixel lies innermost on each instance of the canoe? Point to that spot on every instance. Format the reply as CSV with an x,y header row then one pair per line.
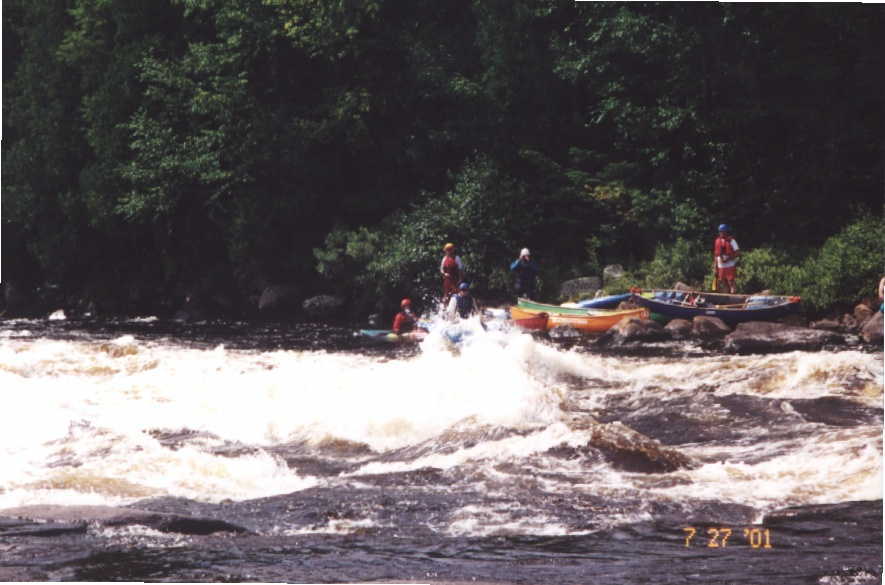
x,y
530,322
387,335
608,302
596,323
732,309
536,306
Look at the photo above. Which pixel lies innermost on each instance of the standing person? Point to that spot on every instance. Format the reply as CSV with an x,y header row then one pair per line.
x,y
452,270
725,255
526,271
405,321
462,304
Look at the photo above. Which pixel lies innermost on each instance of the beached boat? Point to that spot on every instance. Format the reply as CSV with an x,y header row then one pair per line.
x,y
557,309
607,302
732,309
595,323
530,322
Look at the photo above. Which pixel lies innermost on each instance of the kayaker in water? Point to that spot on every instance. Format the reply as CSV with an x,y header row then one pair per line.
x,y
463,304
526,271
725,255
405,321
452,270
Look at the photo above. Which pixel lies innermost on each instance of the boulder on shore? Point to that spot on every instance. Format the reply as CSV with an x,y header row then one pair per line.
x,y
709,327
679,328
323,306
862,313
586,285
763,336
826,324
633,329
279,298
872,329
612,272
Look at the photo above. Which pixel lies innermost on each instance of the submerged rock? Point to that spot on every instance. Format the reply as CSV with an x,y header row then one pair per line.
x,y
632,451
762,336
69,518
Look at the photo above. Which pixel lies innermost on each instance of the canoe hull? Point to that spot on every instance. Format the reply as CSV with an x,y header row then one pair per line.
x,y
598,323
730,316
554,309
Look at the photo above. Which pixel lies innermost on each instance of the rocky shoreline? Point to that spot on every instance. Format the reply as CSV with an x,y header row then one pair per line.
x,y
287,302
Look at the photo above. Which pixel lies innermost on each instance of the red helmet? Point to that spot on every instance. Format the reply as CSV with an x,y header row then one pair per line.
x,y
405,303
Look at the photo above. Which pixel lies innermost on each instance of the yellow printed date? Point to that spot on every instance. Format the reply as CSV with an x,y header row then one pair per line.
x,y
720,537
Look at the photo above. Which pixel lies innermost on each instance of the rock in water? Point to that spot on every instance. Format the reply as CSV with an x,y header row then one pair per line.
x,y
762,336
826,324
635,329
679,328
564,332
872,329
709,327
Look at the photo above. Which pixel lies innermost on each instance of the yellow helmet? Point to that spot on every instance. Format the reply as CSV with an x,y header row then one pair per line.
x,y
449,246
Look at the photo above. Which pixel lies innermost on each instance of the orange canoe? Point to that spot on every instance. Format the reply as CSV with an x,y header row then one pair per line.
x,y
597,323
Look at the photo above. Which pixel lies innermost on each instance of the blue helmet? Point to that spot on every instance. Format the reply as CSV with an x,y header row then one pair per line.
x,y
464,286
723,227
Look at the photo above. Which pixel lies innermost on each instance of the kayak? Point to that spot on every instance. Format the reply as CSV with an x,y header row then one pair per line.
x,y
732,309
387,335
595,323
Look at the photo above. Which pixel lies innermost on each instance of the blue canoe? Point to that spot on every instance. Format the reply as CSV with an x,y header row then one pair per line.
x,y
609,302
732,309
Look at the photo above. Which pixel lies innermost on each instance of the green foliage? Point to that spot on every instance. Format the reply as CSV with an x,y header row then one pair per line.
x,y
483,214
162,140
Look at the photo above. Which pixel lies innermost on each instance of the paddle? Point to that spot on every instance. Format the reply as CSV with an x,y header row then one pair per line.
x,y
715,287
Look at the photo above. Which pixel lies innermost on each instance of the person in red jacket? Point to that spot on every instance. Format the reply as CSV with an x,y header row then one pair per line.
x,y
725,255
405,321
452,270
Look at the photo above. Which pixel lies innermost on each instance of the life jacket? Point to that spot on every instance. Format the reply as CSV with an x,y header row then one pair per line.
x,y
450,265
464,305
723,246
403,322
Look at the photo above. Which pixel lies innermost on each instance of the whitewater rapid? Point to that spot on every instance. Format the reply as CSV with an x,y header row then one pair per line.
x,y
115,421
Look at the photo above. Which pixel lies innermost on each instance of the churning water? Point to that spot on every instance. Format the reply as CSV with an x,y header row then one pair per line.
x,y
234,451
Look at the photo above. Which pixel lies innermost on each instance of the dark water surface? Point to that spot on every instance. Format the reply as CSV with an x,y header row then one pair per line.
x,y
146,450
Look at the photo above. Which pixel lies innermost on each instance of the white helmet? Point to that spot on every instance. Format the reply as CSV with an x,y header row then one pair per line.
x,y
524,252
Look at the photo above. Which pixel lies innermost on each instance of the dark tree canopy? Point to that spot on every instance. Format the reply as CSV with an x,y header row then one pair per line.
x,y
185,145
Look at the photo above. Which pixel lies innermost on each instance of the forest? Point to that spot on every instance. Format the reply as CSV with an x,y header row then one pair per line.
x,y
157,152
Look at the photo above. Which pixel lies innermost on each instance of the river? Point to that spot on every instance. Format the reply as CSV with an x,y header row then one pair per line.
x,y
323,457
